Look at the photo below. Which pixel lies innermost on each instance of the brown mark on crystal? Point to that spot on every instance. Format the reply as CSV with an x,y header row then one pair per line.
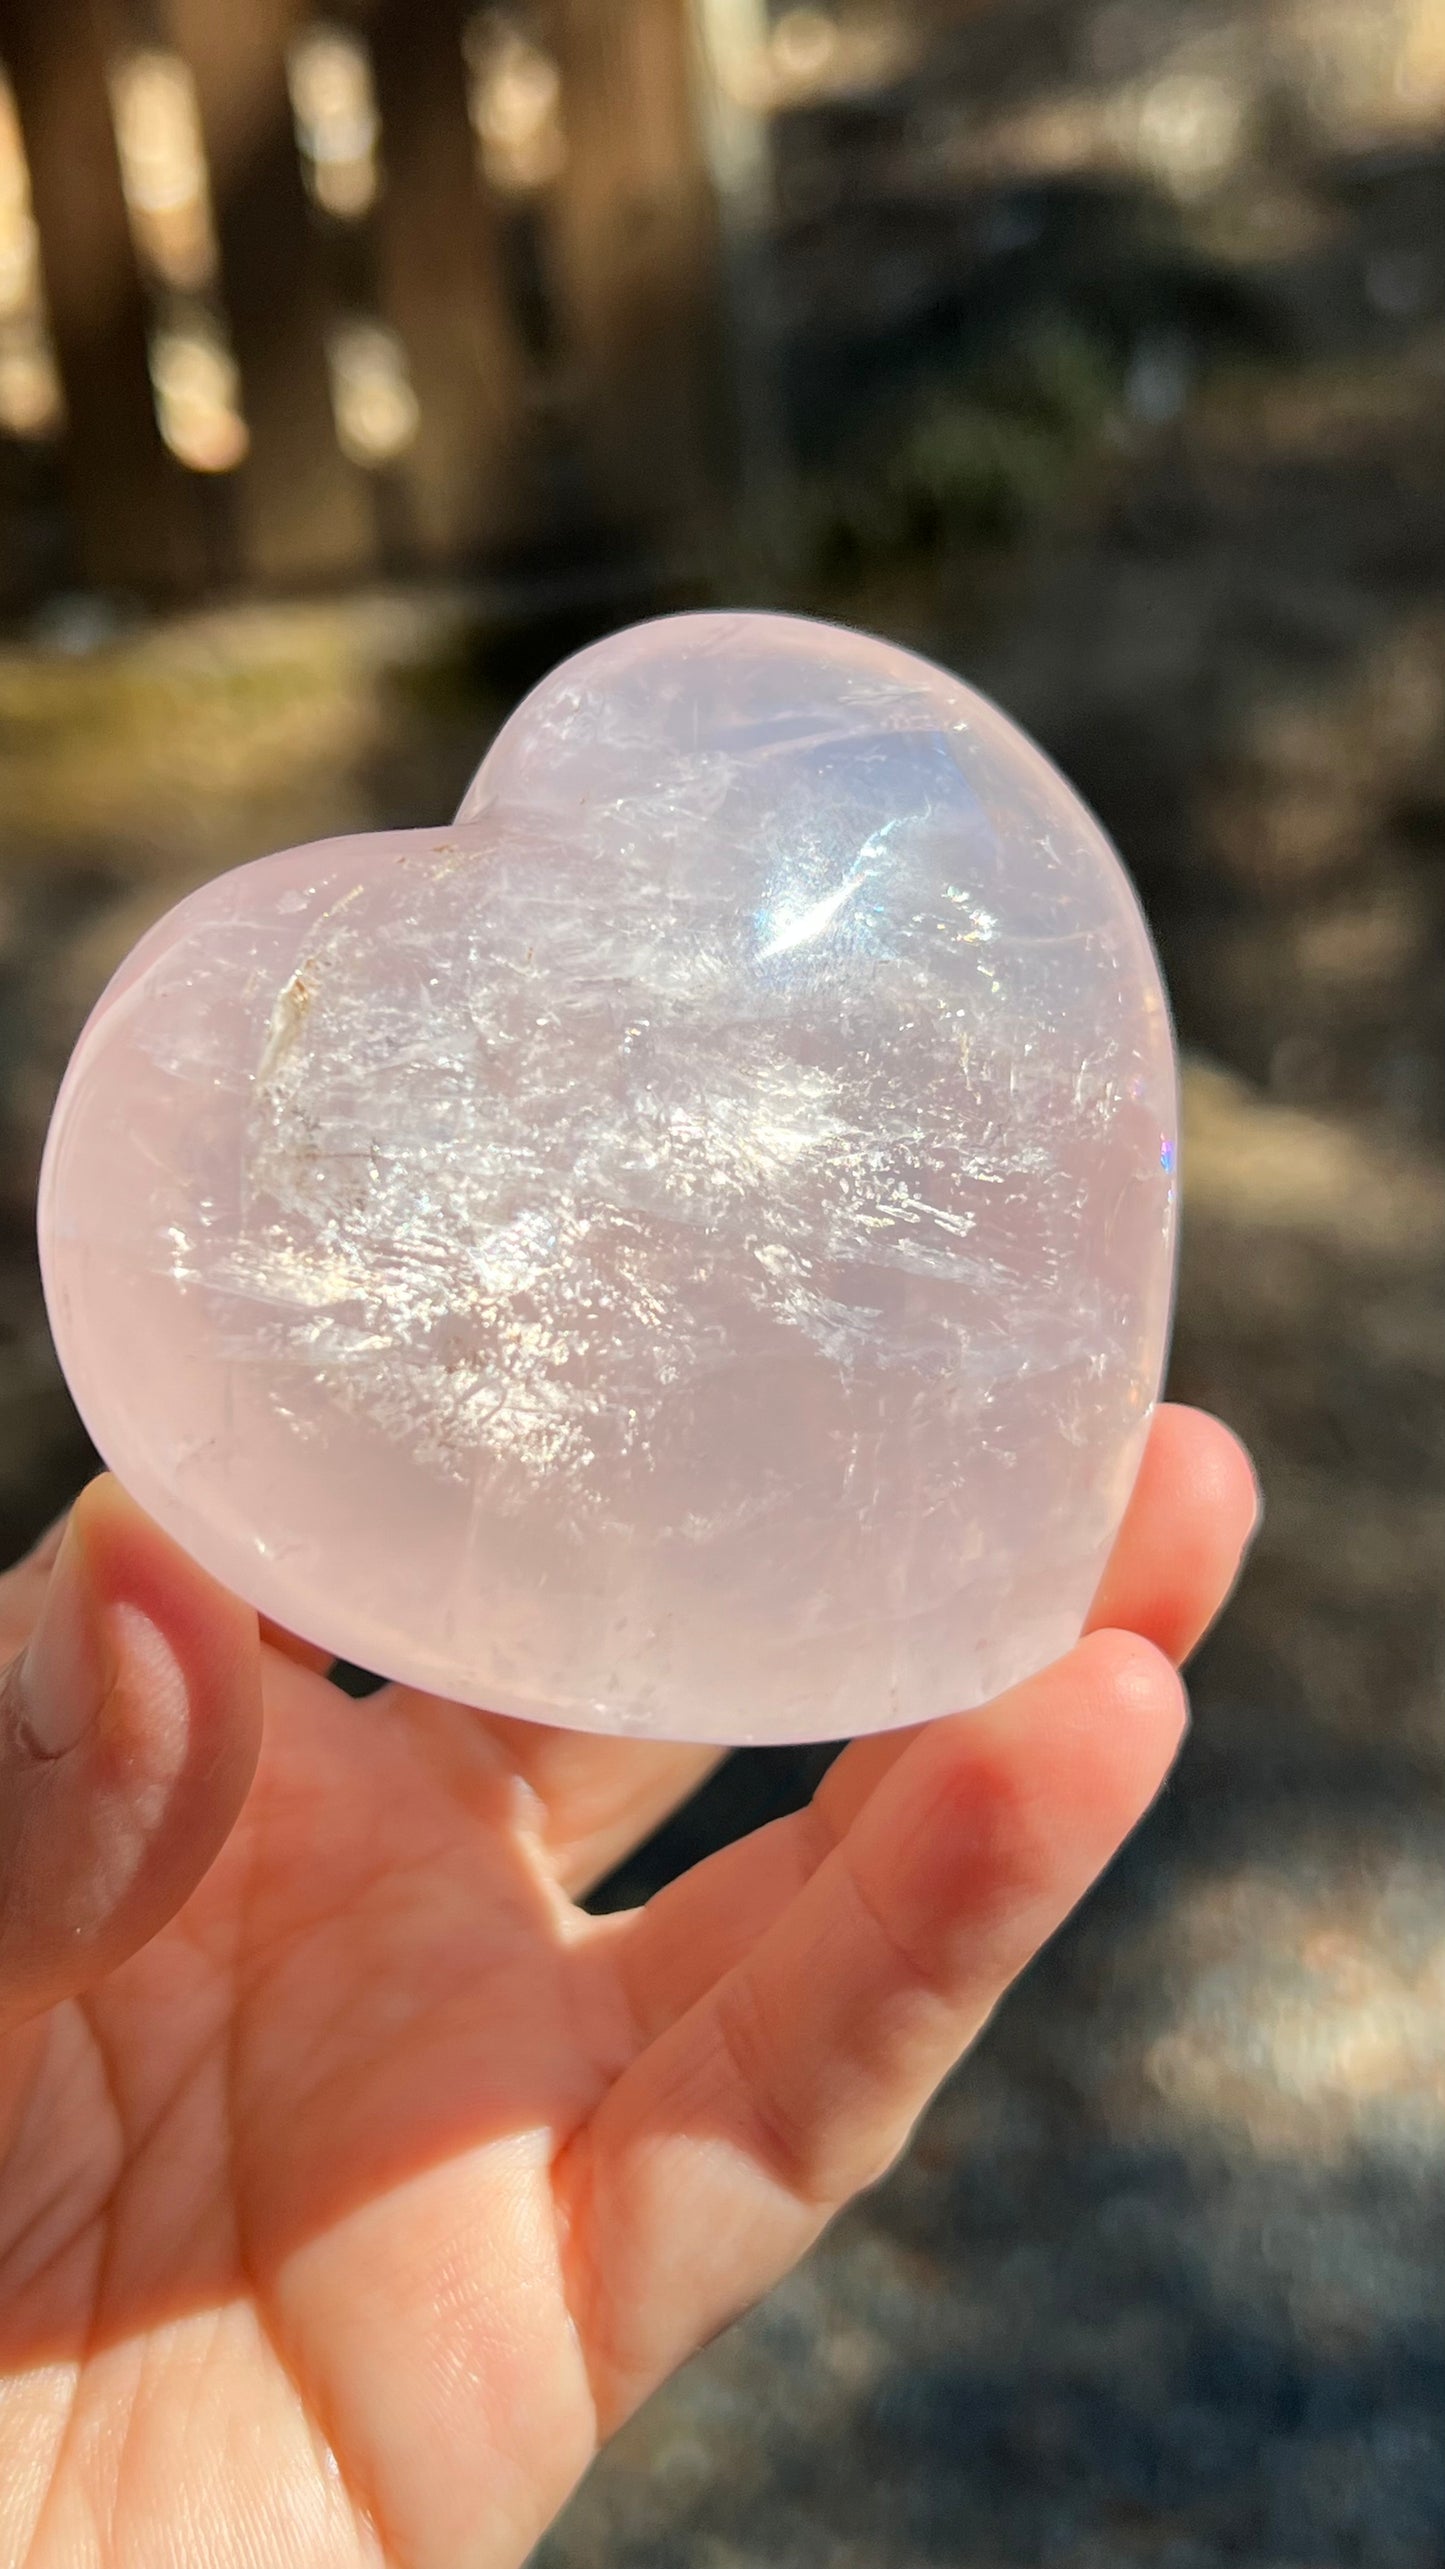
x,y
454,850
287,1019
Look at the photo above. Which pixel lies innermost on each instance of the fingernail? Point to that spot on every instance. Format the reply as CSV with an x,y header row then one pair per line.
x,y
67,1670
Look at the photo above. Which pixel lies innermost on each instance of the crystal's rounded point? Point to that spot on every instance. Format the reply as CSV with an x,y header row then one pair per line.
x,y
686,1249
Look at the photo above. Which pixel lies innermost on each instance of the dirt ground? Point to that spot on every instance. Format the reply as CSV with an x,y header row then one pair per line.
x,y
1163,2277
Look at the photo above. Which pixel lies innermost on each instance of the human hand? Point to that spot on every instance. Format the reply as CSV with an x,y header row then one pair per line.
x,y
354,2184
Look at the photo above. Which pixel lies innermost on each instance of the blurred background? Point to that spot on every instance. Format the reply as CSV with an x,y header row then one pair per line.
x,y
357,363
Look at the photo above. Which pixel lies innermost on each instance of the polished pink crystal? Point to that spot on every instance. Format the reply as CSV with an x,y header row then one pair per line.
x,y
685,1250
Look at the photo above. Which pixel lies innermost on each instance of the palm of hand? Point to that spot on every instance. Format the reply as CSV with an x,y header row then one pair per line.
x,y
284,2191
342,2220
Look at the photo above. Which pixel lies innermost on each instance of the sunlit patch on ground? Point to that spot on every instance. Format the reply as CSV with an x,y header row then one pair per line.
x,y
1312,2012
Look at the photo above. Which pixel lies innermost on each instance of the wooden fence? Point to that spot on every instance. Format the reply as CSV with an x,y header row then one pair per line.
x,y
303,293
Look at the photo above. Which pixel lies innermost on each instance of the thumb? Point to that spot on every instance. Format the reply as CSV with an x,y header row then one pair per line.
x,y
129,1730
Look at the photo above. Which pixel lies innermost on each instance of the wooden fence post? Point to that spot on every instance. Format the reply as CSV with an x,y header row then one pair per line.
x,y
637,255
137,514
440,287
303,512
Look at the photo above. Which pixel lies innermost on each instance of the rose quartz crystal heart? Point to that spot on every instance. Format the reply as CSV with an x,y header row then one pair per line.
x,y
687,1249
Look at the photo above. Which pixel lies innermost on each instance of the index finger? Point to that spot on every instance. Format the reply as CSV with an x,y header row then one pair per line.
x,y
1186,1529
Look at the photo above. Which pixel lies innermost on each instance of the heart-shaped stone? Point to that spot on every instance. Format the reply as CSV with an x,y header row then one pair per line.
x,y
686,1249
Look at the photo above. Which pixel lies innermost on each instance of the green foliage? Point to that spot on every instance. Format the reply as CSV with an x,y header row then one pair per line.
x,y
976,460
